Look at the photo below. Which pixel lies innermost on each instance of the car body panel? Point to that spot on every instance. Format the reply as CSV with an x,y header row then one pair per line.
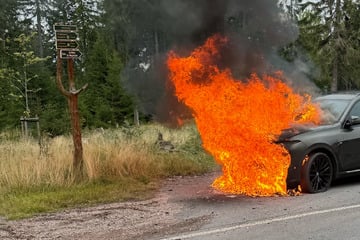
x,y
340,140
349,152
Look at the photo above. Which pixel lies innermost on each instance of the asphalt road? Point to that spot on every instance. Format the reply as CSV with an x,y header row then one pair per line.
x,y
334,214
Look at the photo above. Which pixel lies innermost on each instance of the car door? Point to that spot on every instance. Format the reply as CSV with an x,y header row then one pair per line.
x,y
350,146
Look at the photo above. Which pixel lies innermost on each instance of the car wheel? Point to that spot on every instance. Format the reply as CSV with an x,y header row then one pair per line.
x,y
316,173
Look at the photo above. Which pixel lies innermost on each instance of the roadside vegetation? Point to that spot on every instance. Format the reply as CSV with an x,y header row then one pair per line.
x,y
123,45
122,164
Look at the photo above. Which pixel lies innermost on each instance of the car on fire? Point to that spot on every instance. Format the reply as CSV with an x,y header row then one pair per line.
x,y
328,151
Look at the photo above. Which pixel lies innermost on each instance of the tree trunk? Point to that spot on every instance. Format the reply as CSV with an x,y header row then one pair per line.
x,y
39,30
335,69
72,97
156,42
136,117
75,123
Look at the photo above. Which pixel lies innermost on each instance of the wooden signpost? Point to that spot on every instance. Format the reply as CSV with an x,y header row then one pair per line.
x,y
67,48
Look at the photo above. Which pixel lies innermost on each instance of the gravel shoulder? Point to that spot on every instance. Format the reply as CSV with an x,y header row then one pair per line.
x,y
158,216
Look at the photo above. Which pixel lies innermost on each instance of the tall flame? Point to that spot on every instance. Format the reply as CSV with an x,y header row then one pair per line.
x,y
239,120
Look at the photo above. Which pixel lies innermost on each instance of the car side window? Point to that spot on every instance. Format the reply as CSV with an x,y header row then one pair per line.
x,y
355,111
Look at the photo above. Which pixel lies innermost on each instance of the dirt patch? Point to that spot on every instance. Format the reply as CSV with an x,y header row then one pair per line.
x,y
158,216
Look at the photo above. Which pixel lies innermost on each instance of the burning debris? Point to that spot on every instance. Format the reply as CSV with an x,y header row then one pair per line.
x,y
239,120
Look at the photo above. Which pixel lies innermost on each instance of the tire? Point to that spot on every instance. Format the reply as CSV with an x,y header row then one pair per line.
x,y
316,173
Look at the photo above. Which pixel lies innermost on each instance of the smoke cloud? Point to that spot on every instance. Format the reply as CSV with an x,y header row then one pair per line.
x,y
256,29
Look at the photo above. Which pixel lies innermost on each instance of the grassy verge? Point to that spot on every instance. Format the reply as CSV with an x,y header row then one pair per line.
x,y
21,203
120,165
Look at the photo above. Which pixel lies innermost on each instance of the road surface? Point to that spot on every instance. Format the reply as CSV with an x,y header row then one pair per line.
x,y
334,214
188,208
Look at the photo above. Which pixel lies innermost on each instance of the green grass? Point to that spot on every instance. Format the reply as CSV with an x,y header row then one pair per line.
x,y
120,165
22,203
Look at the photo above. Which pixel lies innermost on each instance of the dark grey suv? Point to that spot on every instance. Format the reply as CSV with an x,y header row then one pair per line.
x,y
322,153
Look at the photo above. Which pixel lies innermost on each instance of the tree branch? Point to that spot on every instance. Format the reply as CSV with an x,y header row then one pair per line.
x,y
59,77
76,92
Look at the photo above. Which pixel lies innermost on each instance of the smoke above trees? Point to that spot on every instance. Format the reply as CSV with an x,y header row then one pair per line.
x,y
256,31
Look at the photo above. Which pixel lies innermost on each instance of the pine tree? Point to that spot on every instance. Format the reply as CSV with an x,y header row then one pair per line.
x,y
35,12
105,103
325,33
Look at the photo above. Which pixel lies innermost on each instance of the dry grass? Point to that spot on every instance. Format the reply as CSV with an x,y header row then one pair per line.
x,y
108,154
119,164
22,165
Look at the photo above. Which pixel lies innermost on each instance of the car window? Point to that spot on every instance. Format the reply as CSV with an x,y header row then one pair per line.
x,y
355,111
332,109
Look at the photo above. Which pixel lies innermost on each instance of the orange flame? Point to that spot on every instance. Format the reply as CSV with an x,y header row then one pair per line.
x,y
238,121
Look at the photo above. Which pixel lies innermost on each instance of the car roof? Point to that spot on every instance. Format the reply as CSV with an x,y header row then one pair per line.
x,y
339,96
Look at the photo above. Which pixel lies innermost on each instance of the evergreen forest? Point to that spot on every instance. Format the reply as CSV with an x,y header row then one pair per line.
x,y
124,44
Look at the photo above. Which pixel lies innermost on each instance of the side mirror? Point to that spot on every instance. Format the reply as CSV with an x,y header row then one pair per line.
x,y
347,124
354,120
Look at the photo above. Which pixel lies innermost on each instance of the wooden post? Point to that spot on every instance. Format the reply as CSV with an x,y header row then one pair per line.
x,y
75,119
136,117
26,128
38,127
72,97
22,127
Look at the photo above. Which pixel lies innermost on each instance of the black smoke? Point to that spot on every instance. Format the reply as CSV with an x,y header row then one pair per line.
x,y
256,29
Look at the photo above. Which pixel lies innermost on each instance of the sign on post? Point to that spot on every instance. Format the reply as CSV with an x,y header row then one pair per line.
x,y
67,44
66,41
69,53
66,48
67,28
66,35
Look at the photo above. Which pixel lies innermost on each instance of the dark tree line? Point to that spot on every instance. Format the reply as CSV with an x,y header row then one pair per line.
x,y
330,36
27,70
124,43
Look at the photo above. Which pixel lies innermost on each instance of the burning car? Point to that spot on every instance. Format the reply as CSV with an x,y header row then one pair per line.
x,y
240,119
322,153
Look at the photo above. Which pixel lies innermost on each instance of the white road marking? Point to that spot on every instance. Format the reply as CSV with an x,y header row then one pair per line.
x,y
261,222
